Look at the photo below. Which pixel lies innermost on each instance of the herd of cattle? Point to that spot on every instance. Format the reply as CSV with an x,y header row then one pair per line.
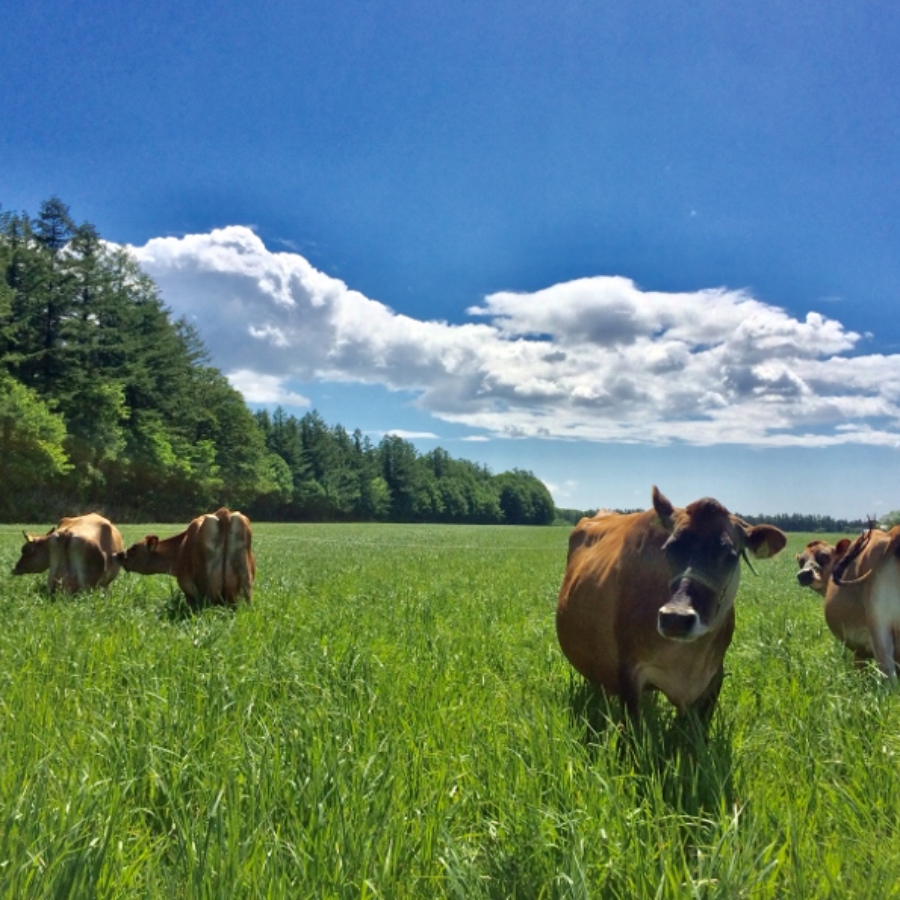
x,y
212,559
646,603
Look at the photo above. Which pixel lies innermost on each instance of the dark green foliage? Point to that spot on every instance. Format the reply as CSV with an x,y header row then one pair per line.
x,y
342,477
525,500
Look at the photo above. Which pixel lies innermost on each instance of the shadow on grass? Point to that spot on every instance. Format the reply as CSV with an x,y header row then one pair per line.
x,y
176,609
687,763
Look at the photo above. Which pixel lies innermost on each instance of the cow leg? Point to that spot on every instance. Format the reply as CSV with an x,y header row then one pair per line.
x,y
630,692
883,645
704,706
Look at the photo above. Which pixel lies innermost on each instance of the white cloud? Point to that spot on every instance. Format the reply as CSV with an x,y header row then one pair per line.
x,y
596,358
409,435
264,389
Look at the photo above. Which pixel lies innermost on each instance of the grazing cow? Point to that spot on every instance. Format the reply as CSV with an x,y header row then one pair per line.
x,y
647,599
82,552
212,558
816,563
862,606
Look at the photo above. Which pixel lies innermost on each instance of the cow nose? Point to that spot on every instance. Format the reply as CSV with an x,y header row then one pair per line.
x,y
805,577
676,623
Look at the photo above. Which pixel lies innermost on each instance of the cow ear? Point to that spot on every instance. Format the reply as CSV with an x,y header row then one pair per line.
x,y
664,508
764,541
842,546
152,541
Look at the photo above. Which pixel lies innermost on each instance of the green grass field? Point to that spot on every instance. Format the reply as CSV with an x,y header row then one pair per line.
x,y
393,718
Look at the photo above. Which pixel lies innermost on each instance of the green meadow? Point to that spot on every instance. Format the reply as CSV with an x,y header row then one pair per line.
x,y
392,718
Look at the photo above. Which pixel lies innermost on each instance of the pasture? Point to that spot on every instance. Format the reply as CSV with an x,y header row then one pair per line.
x,y
393,718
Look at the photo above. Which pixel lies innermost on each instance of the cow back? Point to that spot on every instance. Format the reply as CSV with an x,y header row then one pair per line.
x,y
80,553
216,562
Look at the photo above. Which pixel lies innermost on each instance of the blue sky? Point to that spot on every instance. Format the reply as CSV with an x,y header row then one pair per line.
x,y
614,243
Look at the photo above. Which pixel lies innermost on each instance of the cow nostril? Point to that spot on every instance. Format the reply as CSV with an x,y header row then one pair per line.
x,y
805,577
675,623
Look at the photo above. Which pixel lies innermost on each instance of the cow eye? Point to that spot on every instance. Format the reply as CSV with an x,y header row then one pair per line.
x,y
677,548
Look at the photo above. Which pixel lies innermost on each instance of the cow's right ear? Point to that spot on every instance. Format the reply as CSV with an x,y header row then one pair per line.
x,y
152,541
764,541
842,546
664,508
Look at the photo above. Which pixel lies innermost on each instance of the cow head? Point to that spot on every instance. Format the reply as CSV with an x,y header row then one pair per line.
x,y
817,562
703,554
141,557
35,555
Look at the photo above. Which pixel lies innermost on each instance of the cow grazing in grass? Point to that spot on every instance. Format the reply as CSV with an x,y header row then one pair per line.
x,y
647,601
862,605
79,553
212,559
816,562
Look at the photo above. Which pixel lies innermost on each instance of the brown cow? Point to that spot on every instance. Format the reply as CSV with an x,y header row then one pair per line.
x,y
845,614
212,558
816,563
862,606
82,552
647,599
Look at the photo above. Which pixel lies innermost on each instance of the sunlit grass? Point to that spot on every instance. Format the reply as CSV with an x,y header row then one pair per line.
x,y
392,718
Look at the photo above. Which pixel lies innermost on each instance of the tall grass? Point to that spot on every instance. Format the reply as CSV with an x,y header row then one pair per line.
x,y
393,718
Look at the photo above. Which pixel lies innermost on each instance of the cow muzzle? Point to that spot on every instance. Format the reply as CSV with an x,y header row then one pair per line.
x,y
805,577
679,622
696,600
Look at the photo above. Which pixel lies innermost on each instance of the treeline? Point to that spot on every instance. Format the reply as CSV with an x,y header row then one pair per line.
x,y
784,521
810,523
106,402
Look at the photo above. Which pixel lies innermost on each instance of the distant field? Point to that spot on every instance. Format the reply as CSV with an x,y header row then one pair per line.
x,y
393,718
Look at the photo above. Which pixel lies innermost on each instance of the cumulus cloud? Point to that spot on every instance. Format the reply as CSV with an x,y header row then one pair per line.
x,y
264,389
596,358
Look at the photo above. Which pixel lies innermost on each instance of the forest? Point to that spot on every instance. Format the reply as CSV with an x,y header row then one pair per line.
x,y
108,403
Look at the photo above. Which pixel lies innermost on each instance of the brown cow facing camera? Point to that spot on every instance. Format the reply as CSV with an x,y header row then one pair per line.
x,y
647,601
816,562
80,553
212,559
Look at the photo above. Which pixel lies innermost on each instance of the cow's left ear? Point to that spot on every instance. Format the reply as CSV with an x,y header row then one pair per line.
x,y
764,541
664,509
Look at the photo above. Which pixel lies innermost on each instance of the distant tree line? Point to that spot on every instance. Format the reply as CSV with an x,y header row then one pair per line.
x,y
810,523
784,521
107,403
